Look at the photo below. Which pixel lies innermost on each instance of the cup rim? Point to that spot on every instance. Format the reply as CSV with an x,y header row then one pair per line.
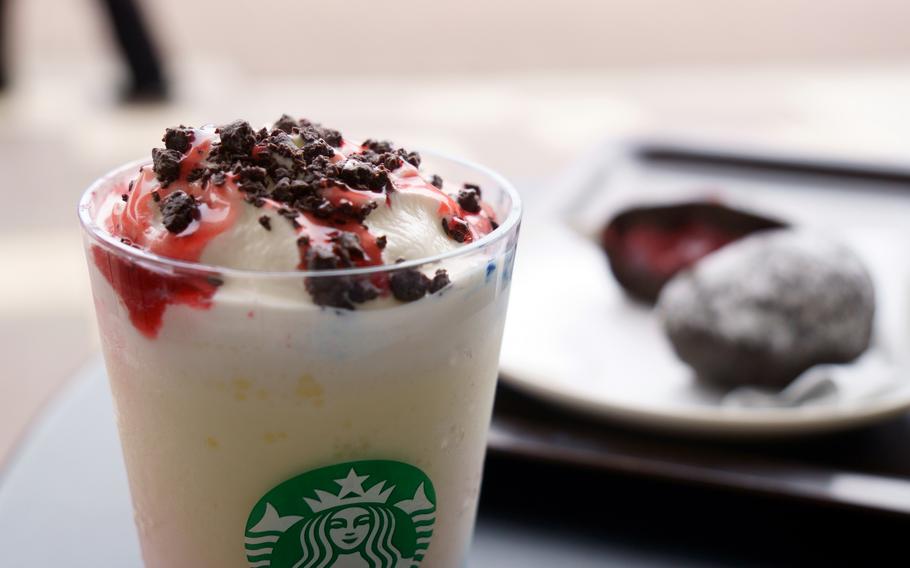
x,y
104,238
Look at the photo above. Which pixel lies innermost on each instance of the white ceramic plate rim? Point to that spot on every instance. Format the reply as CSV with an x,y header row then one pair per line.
x,y
719,421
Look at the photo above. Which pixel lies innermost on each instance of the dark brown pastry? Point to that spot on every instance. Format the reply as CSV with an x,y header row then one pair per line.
x,y
763,310
646,246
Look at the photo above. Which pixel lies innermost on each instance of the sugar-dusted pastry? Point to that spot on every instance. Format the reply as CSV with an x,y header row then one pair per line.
x,y
766,308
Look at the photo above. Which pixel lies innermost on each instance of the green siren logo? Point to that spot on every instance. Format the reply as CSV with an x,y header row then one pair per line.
x,y
363,514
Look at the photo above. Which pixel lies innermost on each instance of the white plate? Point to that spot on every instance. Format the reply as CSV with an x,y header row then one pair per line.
x,y
573,338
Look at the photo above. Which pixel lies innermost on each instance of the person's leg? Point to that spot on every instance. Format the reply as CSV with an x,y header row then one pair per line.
x,y
147,80
4,43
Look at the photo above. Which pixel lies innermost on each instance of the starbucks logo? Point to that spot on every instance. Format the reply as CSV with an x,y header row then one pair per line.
x,y
369,514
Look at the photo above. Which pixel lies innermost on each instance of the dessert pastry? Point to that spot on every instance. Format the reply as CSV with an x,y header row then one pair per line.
x,y
646,246
763,310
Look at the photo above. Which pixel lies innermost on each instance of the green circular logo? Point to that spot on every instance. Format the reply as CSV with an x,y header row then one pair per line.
x,y
375,513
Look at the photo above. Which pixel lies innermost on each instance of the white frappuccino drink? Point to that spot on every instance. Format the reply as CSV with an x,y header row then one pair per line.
x,y
302,337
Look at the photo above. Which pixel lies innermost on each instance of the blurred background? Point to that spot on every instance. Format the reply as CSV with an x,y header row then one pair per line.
x,y
524,87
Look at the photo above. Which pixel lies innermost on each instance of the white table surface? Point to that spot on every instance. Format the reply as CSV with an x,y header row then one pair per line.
x,y
64,501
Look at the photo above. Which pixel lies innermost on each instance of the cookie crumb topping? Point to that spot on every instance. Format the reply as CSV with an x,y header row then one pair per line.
x,y
322,185
178,210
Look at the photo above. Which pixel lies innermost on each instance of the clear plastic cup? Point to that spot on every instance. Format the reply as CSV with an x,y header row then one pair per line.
x,y
261,430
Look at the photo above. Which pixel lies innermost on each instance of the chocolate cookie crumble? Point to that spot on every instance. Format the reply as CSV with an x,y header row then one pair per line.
x,y
179,139
440,281
456,228
237,138
469,198
347,248
178,210
336,291
286,124
340,291
166,165
412,158
378,146
409,285
330,135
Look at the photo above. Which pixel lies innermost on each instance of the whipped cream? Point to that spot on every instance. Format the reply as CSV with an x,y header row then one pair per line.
x,y
265,203
296,196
